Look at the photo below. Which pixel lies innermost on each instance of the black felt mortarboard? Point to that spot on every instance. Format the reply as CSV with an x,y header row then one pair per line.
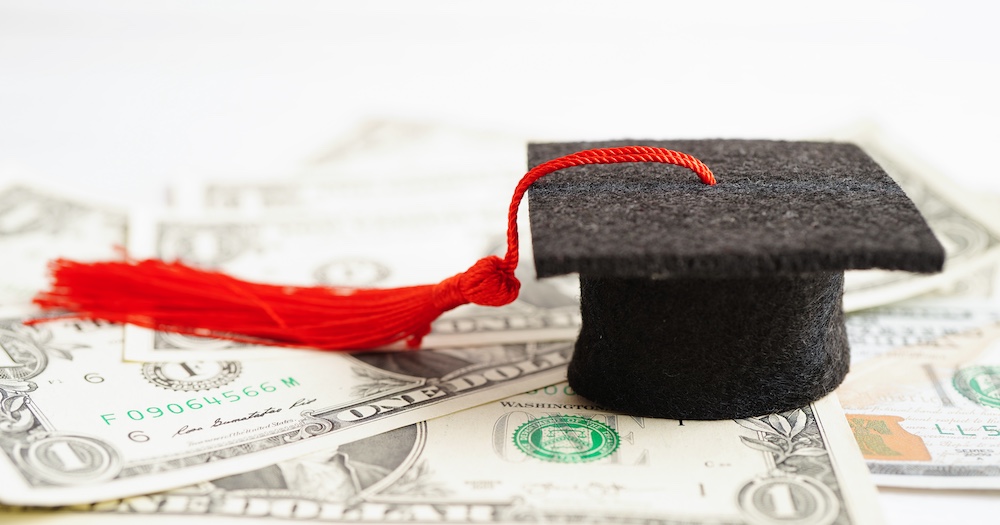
x,y
716,302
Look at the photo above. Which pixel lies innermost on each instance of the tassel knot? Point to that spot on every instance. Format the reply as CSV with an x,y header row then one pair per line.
x,y
489,282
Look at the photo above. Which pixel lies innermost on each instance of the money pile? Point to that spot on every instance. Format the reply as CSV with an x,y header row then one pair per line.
x,y
99,421
922,396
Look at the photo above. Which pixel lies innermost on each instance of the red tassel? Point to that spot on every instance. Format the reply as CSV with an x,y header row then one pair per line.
x,y
173,297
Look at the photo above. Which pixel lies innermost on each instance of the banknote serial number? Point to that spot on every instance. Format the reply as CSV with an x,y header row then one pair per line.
x,y
200,402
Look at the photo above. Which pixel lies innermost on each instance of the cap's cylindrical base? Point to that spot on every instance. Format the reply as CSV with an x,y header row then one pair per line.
x,y
710,348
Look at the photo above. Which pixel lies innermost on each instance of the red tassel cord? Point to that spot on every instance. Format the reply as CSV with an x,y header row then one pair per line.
x,y
170,296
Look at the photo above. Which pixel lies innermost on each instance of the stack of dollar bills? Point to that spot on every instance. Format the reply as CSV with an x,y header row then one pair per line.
x,y
104,422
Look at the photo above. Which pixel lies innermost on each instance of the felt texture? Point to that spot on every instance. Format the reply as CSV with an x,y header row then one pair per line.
x,y
710,348
716,302
778,208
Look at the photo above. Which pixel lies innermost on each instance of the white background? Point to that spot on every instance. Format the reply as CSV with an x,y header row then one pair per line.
x,y
116,98
119,97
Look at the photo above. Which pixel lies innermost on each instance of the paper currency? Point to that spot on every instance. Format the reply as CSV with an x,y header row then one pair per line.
x,y
79,425
357,250
37,226
549,456
383,165
923,394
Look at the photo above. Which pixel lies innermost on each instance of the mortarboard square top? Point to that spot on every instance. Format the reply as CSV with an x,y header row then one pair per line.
x,y
715,302
778,208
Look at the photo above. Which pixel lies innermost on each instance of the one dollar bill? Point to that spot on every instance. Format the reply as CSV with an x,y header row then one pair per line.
x,y
79,425
548,456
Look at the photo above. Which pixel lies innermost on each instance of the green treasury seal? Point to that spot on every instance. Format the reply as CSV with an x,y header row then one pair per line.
x,y
566,439
980,384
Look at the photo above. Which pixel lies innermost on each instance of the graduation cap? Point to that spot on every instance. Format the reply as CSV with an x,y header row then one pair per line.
x,y
724,301
699,300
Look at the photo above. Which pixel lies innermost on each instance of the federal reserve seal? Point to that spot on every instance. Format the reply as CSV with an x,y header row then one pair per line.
x,y
191,376
981,384
566,439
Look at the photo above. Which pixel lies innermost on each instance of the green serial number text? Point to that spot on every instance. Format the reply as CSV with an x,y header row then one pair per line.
x,y
198,403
